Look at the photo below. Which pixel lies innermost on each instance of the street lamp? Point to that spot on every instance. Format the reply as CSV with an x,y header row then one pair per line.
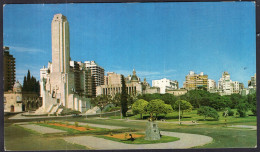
x,y
179,112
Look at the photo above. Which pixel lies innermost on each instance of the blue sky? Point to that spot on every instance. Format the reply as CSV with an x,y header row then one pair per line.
x,y
159,40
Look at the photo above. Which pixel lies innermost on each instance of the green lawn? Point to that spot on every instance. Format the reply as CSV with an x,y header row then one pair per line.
x,y
141,140
18,138
224,137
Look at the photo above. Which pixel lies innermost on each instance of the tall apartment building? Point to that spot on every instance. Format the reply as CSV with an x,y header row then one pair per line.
x,y
165,84
227,87
9,70
224,84
211,84
96,71
252,82
195,81
235,87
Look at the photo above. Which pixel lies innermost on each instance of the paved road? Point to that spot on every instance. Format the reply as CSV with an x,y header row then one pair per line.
x,y
186,141
41,129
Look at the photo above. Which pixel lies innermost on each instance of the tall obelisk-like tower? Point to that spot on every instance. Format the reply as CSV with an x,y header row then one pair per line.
x,y
60,71
60,44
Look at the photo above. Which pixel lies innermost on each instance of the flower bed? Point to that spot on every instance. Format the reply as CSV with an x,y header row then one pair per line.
x,y
71,126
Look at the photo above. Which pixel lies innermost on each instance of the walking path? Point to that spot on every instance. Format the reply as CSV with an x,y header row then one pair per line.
x,y
244,126
41,129
186,141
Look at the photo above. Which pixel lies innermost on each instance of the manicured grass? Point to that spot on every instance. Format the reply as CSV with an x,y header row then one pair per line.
x,y
17,138
223,137
141,140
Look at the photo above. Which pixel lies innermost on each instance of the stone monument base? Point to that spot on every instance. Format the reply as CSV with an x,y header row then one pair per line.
x,y
152,132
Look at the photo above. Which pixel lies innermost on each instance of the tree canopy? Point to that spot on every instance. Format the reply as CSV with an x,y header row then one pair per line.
x,y
157,106
184,106
30,84
101,101
124,96
208,112
139,106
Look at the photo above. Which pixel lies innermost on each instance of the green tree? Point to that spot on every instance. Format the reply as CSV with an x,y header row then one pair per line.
x,y
30,84
124,95
101,101
242,108
207,112
167,109
184,106
139,106
251,98
155,106
116,99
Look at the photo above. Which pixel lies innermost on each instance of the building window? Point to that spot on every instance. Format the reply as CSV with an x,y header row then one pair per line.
x,y
18,98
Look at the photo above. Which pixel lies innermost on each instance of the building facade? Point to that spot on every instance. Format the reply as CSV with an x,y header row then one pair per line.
x,y
195,81
113,85
165,84
9,69
211,84
225,84
227,87
252,82
97,72
13,99
177,92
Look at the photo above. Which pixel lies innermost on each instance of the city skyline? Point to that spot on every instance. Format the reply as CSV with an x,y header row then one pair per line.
x,y
149,37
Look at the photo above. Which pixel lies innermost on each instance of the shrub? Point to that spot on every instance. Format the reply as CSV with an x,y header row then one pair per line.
x,y
253,109
76,124
242,108
208,112
230,112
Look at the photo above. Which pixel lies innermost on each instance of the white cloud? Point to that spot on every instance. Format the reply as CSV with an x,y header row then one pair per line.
x,y
26,49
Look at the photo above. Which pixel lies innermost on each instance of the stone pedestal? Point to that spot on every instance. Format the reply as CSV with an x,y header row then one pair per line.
x,y
152,131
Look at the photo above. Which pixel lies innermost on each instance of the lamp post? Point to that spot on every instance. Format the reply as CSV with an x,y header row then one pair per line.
x,y
179,112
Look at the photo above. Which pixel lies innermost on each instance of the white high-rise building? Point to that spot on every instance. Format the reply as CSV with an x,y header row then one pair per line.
x,y
224,84
235,87
164,84
211,84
